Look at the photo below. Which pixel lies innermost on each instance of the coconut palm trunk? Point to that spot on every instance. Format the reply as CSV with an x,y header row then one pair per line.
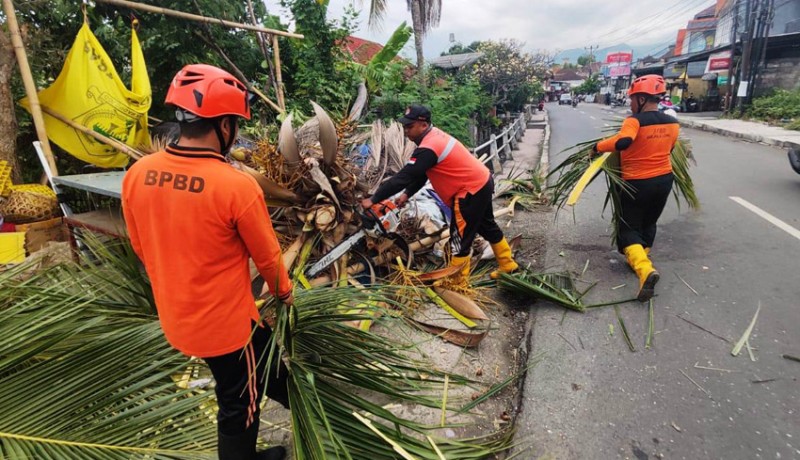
x,y
419,35
8,121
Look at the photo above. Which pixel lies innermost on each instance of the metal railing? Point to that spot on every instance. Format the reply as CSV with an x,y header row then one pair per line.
x,y
500,145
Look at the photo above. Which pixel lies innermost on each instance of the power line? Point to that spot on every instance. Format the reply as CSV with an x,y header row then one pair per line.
x,y
649,29
647,22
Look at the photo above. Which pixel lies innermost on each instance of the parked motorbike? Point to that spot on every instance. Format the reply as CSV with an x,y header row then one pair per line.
x,y
668,108
794,159
541,106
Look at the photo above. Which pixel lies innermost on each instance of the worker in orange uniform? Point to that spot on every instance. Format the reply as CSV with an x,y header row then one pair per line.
x,y
461,181
194,221
645,144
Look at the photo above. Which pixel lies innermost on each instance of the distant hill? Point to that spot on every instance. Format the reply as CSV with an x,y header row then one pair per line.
x,y
600,54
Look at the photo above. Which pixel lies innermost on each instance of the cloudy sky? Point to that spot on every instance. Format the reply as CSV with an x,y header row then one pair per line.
x,y
549,24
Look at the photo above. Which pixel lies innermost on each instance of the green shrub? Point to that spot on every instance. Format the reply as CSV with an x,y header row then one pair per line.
x,y
779,105
454,101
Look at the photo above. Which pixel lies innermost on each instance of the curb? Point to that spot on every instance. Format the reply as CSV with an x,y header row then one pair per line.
x,y
544,159
746,136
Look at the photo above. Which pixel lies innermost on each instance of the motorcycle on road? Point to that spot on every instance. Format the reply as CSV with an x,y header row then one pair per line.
x,y
794,159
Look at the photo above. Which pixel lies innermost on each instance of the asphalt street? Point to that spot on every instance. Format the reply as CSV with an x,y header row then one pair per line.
x,y
686,397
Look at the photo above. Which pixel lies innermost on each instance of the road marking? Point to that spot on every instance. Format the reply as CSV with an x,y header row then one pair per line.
x,y
606,125
583,112
593,118
768,217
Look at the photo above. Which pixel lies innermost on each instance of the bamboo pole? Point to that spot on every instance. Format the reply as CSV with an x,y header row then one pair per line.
x,y
196,17
30,86
124,148
276,54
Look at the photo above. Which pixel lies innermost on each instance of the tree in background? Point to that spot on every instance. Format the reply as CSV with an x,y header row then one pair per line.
x,y
589,86
425,15
586,59
508,74
458,48
312,65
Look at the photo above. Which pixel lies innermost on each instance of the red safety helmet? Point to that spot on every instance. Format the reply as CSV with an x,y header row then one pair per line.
x,y
208,92
648,84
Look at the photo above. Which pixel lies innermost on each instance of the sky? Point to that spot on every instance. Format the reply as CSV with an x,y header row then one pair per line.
x,y
548,25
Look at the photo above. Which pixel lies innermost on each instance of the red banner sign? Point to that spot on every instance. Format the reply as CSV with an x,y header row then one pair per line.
x,y
619,58
719,61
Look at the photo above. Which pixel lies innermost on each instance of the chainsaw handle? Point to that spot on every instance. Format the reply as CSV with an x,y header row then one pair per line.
x,y
369,214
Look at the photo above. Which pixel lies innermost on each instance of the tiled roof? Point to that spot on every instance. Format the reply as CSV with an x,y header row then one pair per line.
x,y
361,50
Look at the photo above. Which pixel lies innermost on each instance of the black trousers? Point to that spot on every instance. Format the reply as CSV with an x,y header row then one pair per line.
x,y
641,210
240,377
473,215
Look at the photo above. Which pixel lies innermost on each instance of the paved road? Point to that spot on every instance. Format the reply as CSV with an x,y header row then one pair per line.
x,y
687,397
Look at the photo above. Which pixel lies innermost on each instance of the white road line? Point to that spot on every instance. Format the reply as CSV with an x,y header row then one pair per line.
x,y
593,118
583,112
606,125
768,217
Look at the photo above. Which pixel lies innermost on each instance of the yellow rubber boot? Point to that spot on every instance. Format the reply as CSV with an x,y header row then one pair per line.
x,y
463,262
505,262
648,276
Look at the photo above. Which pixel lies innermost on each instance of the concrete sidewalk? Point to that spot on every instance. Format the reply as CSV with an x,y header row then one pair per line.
x,y
748,130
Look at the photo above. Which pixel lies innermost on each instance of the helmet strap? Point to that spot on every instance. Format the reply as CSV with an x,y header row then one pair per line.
x,y
640,103
225,144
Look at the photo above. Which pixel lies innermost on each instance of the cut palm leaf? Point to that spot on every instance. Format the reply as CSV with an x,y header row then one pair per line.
x,y
746,336
591,172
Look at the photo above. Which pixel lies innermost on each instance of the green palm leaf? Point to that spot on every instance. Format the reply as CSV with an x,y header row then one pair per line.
x,y
567,174
85,372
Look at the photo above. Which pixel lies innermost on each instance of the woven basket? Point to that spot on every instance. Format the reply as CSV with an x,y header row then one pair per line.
x,y
29,203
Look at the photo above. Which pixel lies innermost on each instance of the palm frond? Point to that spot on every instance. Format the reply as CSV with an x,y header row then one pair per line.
x,y
85,372
81,376
337,370
567,174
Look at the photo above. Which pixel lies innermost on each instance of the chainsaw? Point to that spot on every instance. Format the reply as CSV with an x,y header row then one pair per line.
x,y
379,220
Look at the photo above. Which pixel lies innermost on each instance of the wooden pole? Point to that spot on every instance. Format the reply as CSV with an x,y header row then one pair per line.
x,y
196,17
276,55
30,86
124,148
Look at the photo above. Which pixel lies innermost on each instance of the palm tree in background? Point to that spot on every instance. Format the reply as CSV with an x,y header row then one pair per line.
x,y
425,14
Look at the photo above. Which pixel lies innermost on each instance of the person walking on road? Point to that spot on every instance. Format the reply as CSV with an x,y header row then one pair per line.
x,y
644,143
461,181
194,221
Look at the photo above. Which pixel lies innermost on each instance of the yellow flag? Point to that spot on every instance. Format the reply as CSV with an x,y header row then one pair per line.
x,y
89,92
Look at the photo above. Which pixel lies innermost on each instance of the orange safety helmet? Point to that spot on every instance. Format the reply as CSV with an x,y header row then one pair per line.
x,y
208,92
648,84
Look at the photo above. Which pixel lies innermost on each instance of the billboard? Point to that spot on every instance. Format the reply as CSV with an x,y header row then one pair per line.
x,y
619,58
718,61
619,64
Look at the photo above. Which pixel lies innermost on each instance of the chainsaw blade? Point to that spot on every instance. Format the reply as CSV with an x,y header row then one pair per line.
x,y
334,254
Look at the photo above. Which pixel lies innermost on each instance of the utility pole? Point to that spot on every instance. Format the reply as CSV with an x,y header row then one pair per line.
x,y
734,39
591,56
747,50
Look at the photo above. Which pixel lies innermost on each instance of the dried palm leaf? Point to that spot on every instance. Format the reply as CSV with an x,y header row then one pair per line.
x,y
456,337
272,191
360,103
327,135
461,304
376,141
287,143
290,253
322,180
